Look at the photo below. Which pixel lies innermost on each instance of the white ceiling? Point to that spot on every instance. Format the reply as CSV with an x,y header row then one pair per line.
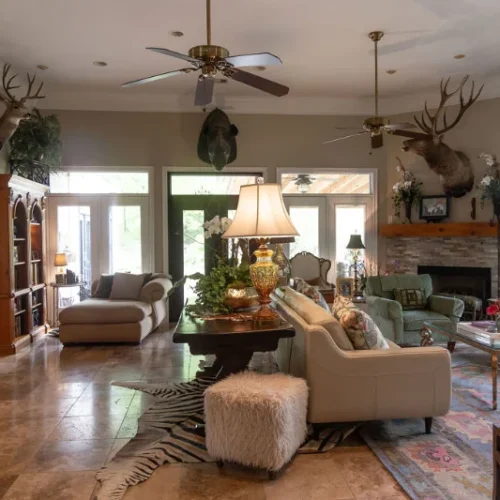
x,y
327,56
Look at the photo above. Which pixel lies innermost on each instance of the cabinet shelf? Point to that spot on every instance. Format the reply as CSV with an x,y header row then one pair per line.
x,y
17,313
19,263
34,223
35,306
36,261
19,240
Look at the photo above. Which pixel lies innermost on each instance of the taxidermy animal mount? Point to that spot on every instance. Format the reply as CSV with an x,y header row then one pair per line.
x,y
16,108
217,142
454,167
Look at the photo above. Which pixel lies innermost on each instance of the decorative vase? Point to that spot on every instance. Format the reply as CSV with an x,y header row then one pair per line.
x,y
408,207
497,321
241,298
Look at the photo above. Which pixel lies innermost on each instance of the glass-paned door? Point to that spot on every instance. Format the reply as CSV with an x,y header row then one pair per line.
x,y
309,215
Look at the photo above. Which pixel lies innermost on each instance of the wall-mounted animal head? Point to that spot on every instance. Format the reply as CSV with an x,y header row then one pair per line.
x,y
454,167
217,142
16,109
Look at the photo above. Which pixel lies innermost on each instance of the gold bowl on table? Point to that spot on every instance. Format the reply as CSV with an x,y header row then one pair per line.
x,y
241,298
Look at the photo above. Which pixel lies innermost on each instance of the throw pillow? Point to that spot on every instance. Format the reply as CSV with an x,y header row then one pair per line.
x,y
103,290
410,298
300,285
127,286
358,326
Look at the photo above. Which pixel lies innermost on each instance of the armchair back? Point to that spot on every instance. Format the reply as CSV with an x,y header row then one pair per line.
x,y
314,270
383,286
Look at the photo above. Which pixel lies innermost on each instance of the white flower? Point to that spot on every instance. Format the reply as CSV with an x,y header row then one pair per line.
x,y
396,187
398,168
489,159
407,184
225,222
486,180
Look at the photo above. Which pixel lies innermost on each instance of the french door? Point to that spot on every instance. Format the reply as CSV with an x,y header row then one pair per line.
x,y
100,234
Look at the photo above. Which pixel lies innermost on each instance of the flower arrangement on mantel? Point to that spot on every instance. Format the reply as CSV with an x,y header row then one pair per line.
x,y
406,191
494,310
230,272
490,183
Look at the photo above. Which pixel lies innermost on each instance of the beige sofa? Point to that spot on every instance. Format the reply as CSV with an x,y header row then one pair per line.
x,y
347,385
105,320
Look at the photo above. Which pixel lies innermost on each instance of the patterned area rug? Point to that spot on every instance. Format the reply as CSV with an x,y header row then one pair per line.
x,y
455,461
171,431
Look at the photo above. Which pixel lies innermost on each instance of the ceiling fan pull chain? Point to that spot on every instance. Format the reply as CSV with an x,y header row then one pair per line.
x,y
376,77
209,29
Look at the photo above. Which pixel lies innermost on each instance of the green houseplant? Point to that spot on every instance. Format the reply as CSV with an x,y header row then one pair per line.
x,y
35,147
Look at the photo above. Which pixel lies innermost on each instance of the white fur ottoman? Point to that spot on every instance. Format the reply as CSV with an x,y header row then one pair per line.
x,y
256,420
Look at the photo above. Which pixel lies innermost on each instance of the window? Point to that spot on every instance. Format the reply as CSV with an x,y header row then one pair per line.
x,y
349,219
209,184
92,182
306,221
326,183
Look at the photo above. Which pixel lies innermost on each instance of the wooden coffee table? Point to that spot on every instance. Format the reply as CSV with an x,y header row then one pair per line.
x,y
449,330
232,342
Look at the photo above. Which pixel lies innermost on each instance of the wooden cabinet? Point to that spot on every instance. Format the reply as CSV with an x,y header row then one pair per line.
x,y
23,290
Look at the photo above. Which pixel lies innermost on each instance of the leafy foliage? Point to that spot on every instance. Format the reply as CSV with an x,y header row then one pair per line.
x,y
490,183
36,148
406,190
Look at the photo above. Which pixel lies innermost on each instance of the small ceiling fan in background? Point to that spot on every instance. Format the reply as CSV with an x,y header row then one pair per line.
x,y
212,60
303,182
376,125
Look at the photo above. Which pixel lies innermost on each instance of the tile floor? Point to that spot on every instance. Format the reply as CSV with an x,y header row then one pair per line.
x,y
61,420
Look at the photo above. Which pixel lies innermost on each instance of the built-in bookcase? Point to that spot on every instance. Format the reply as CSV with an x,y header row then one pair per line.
x,y
23,290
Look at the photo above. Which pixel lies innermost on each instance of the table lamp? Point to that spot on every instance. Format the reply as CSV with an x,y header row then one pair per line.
x,y
355,244
261,214
60,261
284,266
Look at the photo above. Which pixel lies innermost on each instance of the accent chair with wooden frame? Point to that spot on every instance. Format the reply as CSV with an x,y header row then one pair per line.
x,y
312,269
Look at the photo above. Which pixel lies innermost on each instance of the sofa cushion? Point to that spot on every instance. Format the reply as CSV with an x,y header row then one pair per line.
x,y
410,298
414,320
315,315
105,311
358,325
301,286
104,286
127,286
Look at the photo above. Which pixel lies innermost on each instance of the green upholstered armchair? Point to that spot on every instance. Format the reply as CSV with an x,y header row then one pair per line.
x,y
403,326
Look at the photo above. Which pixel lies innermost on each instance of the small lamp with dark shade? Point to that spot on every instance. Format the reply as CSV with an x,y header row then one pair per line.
x,y
355,244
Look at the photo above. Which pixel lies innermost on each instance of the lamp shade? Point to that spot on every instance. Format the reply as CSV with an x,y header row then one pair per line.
x,y
60,259
261,213
355,243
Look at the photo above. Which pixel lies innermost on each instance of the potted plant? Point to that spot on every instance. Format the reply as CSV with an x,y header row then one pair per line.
x,y
406,191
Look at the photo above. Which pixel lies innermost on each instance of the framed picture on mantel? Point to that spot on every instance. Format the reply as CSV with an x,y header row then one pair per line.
x,y
434,208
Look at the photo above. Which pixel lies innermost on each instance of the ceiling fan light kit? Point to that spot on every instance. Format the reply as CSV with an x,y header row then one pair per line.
x,y
212,60
376,125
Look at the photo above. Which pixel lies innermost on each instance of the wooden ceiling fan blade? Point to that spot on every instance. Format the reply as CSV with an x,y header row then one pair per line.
x,y
399,126
154,78
172,53
377,141
204,91
257,82
258,59
346,137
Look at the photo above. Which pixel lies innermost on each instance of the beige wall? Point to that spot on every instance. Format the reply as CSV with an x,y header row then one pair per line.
x,y
168,139
477,132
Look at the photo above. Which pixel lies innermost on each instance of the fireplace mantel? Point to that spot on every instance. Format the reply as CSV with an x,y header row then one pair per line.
x,y
446,229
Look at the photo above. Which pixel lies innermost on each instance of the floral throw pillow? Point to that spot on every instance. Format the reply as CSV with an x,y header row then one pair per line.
x,y
358,326
300,285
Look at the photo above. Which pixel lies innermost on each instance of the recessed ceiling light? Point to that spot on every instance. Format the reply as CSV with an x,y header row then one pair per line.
x,y
42,67
177,34
459,56
100,63
391,71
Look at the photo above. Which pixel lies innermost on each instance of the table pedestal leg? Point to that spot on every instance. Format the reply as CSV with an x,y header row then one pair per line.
x,y
451,346
426,335
494,370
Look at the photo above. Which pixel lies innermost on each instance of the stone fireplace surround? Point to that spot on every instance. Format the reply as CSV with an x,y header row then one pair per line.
x,y
406,253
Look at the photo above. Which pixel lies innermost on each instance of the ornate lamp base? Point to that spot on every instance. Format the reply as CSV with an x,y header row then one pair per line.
x,y
264,274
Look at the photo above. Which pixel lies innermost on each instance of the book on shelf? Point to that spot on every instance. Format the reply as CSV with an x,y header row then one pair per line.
x,y
485,330
18,326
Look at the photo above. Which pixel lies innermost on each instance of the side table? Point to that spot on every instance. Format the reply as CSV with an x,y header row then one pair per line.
x,y
56,287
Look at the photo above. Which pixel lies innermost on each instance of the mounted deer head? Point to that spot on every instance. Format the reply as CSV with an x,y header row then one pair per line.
x,y
16,108
454,167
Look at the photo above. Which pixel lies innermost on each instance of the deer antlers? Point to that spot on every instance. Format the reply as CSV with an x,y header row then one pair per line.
x,y
432,127
9,98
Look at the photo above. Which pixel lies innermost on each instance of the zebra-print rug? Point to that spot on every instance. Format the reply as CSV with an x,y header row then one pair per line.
x,y
171,431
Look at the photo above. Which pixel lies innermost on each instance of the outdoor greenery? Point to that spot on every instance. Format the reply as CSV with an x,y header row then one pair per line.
x,y
36,148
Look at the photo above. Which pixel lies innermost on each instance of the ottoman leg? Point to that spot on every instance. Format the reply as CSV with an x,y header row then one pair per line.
x,y
220,463
273,474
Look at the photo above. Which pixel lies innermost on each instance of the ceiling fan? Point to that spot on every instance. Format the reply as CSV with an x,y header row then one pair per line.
x,y
376,125
303,182
212,60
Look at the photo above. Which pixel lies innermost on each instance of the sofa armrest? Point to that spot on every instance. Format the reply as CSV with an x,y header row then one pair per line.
x,y
155,290
449,306
386,308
